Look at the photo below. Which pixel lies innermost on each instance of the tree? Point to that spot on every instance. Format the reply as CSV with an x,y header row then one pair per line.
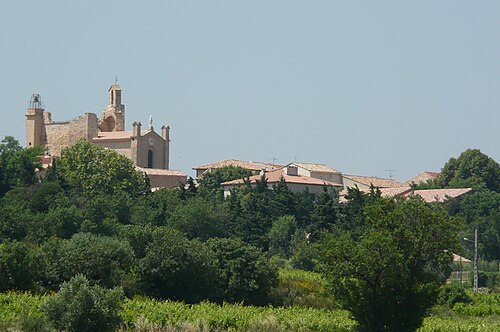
x,y
281,236
391,276
243,272
20,266
101,259
81,307
471,169
175,268
251,212
17,165
199,218
283,200
92,170
481,211
325,213
210,181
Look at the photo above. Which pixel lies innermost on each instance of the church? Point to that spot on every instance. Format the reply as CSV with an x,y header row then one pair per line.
x,y
148,150
145,148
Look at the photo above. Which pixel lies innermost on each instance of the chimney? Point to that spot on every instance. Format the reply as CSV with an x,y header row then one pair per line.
x,y
292,170
137,129
165,133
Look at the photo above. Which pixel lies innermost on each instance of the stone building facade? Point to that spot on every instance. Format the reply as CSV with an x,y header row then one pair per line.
x,y
145,148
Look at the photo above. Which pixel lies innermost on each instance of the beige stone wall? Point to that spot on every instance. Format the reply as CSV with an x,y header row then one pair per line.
x,y
348,183
57,137
331,177
35,131
122,147
84,127
63,134
143,146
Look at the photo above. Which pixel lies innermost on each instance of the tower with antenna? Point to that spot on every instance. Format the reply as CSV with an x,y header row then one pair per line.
x,y
35,122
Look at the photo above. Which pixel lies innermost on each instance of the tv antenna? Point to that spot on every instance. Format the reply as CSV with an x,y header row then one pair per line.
x,y
391,176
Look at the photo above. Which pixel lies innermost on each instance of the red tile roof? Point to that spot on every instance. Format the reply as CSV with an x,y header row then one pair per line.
x,y
423,177
316,167
113,135
376,182
117,135
275,176
250,165
159,171
428,195
439,195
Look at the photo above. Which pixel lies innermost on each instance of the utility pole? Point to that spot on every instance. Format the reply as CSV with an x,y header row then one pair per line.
x,y
476,286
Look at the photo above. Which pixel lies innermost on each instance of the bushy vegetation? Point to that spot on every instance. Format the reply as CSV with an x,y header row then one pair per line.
x,y
23,311
80,306
93,216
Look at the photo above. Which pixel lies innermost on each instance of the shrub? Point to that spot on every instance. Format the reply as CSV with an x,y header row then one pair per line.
x,y
80,306
176,268
244,272
451,294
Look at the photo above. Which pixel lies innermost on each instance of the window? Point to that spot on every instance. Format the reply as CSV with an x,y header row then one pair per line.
x,y
150,158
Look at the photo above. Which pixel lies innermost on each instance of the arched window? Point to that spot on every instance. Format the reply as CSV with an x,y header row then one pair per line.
x,y
150,158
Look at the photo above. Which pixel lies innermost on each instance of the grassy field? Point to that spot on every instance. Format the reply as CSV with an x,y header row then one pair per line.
x,y
305,307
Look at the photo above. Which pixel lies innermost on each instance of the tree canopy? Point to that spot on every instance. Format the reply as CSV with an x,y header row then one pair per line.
x,y
93,170
471,169
390,277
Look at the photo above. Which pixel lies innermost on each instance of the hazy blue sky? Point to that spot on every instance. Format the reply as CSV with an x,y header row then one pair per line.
x,y
363,86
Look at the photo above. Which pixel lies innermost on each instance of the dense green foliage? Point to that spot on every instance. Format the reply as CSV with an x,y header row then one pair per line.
x,y
471,169
82,307
93,170
391,276
17,165
23,311
93,215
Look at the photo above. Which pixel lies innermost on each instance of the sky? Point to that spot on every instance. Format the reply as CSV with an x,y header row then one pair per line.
x,y
362,86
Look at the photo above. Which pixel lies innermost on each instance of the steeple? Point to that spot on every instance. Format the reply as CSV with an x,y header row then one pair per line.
x,y
113,117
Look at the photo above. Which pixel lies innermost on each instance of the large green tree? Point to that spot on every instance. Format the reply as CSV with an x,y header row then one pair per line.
x,y
391,276
176,268
243,272
92,170
471,169
17,165
210,181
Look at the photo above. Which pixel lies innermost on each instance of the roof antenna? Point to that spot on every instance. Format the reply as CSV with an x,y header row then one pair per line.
x,y
391,176
116,79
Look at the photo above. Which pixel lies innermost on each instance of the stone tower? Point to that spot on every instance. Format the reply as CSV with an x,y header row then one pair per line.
x,y
35,123
113,117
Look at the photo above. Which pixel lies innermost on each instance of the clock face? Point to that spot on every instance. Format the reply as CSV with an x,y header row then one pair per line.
x,y
151,141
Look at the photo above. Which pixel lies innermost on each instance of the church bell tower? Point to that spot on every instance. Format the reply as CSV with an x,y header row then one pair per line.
x,y
113,117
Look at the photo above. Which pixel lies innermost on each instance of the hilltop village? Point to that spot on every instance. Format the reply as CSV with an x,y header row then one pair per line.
x,y
149,151
98,233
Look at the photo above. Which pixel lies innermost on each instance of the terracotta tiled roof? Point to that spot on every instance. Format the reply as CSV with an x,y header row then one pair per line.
x,y
434,175
376,182
396,191
275,176
113,135
316,167
384,192
458,258
159,171
254,166
439,195
423,177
